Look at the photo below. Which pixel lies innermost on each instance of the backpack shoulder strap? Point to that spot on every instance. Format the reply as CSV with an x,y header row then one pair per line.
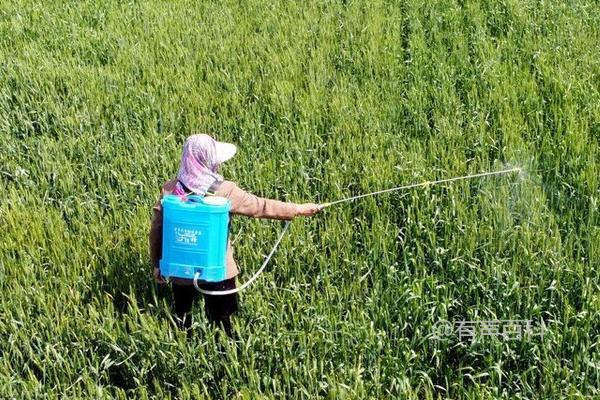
x,y
212,190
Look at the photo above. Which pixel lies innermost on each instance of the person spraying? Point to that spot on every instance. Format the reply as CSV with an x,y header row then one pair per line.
x,y
198,176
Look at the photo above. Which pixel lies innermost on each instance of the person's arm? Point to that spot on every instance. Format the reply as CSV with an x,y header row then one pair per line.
x,y
245,203
155,240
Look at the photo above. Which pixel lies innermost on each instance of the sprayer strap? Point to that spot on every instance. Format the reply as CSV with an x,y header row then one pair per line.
x,y
211,191
249,281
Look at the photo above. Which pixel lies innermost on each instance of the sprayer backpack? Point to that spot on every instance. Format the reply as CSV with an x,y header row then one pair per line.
x,y
195,233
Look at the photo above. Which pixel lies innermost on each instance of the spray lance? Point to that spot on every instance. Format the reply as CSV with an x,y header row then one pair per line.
x,y
422,184
186,245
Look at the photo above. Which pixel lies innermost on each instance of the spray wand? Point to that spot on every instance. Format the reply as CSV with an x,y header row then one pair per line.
x,y
347,199
414,185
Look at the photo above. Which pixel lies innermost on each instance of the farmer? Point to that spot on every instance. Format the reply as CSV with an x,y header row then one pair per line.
x,y
202,156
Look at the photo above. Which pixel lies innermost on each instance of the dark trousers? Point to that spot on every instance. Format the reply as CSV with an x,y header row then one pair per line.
x,y
218,308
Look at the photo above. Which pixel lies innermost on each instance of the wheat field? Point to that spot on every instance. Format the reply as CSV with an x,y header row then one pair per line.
x,y
324,100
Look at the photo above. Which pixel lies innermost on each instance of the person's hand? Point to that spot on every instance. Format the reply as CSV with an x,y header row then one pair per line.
x,y
157,276
308,209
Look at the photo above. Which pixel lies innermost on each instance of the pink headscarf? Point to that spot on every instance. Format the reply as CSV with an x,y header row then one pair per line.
x,y
198,167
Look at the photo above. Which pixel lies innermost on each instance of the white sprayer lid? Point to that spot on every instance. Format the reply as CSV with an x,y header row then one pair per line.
x,y
215,200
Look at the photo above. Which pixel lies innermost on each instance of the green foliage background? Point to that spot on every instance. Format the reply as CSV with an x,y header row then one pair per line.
x,y
325,100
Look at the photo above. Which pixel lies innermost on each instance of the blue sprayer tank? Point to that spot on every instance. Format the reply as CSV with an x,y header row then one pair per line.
x,y
195,232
